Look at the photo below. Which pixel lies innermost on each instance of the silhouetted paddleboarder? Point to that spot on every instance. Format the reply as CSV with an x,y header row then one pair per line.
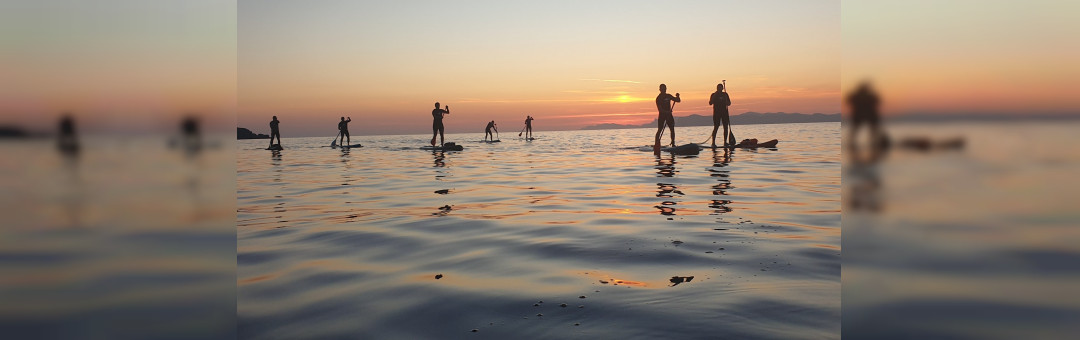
x,y
528,127
864,104
274,131
343,131
189,130
487,130
437,128
664,104
720,102
67,142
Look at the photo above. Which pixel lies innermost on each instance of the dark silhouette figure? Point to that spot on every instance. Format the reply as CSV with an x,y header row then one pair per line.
x,y
664,104
487,130
274,131
189,131
865,105
437,128
67,142
343,131
720,102
528,127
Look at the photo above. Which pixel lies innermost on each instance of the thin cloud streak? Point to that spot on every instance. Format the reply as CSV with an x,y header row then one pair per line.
x,y
613,81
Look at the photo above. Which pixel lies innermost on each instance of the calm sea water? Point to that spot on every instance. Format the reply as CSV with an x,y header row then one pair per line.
x,y
129,240
978,243
349,243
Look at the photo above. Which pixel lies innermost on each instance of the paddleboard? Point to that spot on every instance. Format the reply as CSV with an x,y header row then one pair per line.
x,y
747,144
347,146
491,141
685,149
450,146
275,147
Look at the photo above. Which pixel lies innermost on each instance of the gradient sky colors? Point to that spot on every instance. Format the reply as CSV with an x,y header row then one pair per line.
x,y
566,63
965,56
120,66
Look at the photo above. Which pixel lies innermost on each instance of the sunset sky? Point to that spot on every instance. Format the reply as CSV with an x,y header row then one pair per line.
x,y
132,65
965,56
568,64
119,66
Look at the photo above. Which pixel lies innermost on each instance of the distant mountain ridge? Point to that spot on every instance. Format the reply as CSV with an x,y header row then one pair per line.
x,y
242,133
740,119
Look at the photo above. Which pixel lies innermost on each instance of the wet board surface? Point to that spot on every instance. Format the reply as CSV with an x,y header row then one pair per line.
x,y
685,149
769,145
441,148
347,146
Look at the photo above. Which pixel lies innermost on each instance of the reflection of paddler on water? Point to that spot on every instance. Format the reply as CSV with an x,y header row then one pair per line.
x,y
487,130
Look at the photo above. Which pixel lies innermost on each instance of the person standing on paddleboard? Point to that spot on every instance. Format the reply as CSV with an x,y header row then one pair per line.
x,y
274,131
865,108
528,127
664,105
487,130
343,131
437,126
720,102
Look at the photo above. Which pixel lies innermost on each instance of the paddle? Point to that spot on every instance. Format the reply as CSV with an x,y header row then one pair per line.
x,y
522,131
731,132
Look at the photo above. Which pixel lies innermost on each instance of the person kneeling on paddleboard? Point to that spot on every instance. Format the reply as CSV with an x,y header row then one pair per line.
x,y
437,125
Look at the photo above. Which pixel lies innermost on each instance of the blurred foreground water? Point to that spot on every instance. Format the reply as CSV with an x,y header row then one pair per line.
x,y
127,238
977,243
389,241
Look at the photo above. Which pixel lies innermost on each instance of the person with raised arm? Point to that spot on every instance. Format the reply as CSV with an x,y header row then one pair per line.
x,y
437,127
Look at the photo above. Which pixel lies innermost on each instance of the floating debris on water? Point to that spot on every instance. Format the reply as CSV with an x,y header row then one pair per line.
x,y
676,280
474,330
438,276
583,296
562,305
677,242
445,208
442,191
604,282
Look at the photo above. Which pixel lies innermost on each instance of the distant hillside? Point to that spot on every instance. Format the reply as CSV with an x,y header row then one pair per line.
x,y
242,133
740,119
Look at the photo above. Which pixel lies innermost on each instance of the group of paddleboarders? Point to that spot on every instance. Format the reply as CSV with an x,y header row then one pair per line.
x,y
665,104
437,128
